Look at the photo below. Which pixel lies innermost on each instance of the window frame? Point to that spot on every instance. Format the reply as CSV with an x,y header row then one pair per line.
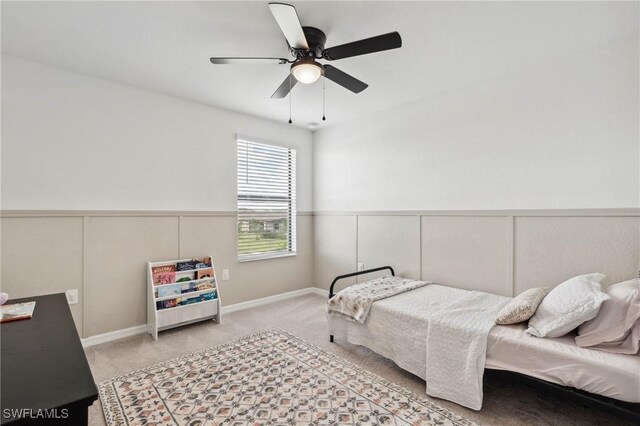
x,y
291,231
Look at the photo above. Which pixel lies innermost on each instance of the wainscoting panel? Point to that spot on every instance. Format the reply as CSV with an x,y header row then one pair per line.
x,y
214,235
473,253
502,252
265,278
117,251
549,250
390,240
104,255
43,256
335,243
248,280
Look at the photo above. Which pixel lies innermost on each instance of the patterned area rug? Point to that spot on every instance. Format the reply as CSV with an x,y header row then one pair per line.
x,y
270,378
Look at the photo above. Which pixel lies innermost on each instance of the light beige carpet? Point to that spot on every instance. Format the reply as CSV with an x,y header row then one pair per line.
x,y
505,403
269,378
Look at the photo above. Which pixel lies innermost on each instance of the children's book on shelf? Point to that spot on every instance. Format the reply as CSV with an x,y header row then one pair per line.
x,y
168,290
17,311
205,262
192,264
185,276
188,287
204,273
187,265
204,285
171,303
184,287
165,274
181,301
209,296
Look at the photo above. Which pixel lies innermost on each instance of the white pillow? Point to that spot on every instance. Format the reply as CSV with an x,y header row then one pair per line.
x,y
616,328
567,306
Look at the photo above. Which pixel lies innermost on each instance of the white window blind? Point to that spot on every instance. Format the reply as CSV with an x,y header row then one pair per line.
x,y
266,200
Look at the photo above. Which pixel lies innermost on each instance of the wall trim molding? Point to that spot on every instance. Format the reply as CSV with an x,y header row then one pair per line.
x,y
142,329
113,335
319,292
122,213
266,300
617,212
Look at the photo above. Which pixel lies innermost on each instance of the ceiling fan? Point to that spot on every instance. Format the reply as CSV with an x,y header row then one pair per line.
x,y
307,46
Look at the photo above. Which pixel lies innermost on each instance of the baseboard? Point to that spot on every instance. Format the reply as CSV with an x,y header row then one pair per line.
x,y
319,291
266,300
113,335
142,329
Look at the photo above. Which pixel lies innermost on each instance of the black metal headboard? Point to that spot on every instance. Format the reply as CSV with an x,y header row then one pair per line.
x,y
353,274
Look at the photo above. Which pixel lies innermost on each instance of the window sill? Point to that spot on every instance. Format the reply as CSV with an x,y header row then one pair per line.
x,y
253,258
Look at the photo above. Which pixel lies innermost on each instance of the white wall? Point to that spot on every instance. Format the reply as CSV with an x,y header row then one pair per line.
x,y
72,142
417,188
563,134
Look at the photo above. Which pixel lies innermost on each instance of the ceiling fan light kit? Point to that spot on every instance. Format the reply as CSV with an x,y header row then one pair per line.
x,y
306,45
306,70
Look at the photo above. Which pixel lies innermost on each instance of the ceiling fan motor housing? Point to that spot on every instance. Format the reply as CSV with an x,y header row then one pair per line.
x,y
315,39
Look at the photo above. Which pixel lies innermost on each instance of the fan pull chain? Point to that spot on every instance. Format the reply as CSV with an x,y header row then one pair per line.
x,y
290,95
323,96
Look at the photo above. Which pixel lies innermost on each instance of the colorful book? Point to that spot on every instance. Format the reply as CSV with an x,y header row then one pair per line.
x,y
205,262
205,285
186,266
189,265
209,296
165,274
168,290
204,273
166,304
188,287
17,311
185,276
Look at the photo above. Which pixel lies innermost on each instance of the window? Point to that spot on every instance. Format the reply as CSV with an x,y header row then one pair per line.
x,y
266,200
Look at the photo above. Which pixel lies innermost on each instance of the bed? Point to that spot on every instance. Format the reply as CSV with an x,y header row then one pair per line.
x,y
603,378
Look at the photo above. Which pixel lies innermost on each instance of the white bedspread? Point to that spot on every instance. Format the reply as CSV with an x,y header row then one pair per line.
x,y
458,324
456,347
397,329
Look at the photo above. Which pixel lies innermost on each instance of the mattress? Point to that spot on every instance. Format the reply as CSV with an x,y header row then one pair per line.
x,y
396,328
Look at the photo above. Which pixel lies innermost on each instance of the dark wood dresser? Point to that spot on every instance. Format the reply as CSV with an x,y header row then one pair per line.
x,y
45,375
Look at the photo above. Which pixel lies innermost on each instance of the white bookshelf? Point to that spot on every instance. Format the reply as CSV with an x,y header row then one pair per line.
x,y
175,303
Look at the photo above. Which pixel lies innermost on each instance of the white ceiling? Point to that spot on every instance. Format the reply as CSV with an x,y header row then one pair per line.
x,y
165,46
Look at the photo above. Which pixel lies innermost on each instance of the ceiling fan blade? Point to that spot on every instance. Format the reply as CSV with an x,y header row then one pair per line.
x,y
285,87
248,61
287,18
344,79
363,47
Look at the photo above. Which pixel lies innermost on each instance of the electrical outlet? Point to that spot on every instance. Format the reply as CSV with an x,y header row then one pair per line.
x,y
360,267
72,296
225,275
